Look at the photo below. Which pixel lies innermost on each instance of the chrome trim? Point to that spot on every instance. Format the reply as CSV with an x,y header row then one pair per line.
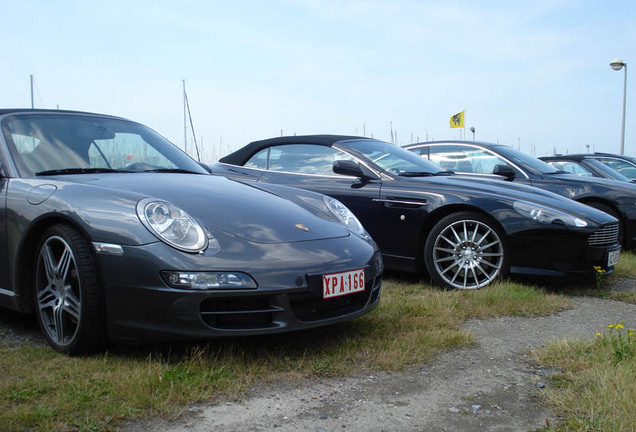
x,y
605,236
108,248
5,292
419,203
263,171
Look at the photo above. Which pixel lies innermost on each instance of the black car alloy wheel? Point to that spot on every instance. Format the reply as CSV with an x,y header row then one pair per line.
x,y
66,291
465,250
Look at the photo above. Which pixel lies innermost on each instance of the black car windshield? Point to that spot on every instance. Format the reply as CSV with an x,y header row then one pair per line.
x,y
394,159
611,173
526,161
52,143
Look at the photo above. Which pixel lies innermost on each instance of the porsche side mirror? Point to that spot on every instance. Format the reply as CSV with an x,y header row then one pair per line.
x,y
205,167
505,170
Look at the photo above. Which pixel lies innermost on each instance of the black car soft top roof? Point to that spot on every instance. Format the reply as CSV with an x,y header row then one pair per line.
x,y
243,154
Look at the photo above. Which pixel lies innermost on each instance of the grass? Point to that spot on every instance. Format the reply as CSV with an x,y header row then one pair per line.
x,y
43,390
608,286
626,267
597,392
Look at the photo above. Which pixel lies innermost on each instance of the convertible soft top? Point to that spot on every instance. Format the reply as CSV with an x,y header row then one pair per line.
x,y
242,155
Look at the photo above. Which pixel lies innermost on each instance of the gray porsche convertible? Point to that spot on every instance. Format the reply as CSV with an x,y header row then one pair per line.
x,y
111,233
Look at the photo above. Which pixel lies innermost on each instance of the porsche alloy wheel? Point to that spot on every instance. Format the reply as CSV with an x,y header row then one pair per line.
x,y
465,251
66,295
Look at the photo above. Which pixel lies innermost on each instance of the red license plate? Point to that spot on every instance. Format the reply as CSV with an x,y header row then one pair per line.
x,y
339,284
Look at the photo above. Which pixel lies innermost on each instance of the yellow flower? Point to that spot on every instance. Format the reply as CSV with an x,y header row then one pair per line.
x,y
598,334
611,326
618,326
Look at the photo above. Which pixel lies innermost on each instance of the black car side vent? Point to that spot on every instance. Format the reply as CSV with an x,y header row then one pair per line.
x,y
402,202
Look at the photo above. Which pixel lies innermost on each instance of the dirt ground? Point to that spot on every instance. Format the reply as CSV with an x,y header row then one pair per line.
x,y
490,387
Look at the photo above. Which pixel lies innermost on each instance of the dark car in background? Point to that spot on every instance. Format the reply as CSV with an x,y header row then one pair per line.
x,y
625,165
111,232
585,165
487,160
463,233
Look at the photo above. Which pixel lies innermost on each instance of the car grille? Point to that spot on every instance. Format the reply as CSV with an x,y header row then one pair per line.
x,y
604,236
239,313
268,311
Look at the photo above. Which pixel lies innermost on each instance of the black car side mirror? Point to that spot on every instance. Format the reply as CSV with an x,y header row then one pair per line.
x,y
350,168
505,170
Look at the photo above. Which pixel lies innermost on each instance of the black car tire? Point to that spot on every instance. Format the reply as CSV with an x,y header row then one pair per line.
x,y
66,292
465,250
610,211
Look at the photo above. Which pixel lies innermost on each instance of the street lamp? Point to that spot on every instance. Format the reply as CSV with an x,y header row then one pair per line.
x,y
472,129
618,64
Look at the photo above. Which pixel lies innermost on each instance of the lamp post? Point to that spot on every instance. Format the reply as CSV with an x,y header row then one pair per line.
x,y
618,64
472,129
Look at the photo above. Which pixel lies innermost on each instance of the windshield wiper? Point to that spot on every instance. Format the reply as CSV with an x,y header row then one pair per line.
x,y
444,173
170,170
415,174
78,171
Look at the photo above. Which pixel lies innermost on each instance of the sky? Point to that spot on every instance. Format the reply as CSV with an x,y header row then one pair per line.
x,y
531,74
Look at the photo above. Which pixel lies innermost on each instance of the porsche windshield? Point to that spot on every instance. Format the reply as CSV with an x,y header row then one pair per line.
x,y
394,159
49,144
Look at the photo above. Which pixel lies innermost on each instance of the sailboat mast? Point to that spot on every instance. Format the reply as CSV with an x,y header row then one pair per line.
x,y
185,124
32,104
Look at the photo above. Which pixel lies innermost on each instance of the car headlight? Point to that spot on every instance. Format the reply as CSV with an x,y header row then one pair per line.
x,y
172,225
345,216
547,215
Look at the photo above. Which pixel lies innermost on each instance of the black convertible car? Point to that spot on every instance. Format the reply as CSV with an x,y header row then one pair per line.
x,y
464,233
111,232
487,160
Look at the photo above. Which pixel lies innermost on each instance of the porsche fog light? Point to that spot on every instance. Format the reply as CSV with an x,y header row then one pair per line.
x,y
208,280
547,215
172,225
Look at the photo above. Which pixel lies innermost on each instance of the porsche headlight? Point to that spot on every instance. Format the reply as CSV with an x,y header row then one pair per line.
x,y
345,216
547,215
172,225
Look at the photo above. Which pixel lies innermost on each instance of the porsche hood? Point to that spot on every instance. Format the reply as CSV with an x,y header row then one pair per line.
x,y
239,209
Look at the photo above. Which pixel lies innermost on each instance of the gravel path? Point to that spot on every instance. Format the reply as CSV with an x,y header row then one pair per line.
x,y
491,387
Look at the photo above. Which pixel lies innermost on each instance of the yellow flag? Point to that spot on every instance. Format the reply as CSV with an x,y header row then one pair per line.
x,y
457,121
